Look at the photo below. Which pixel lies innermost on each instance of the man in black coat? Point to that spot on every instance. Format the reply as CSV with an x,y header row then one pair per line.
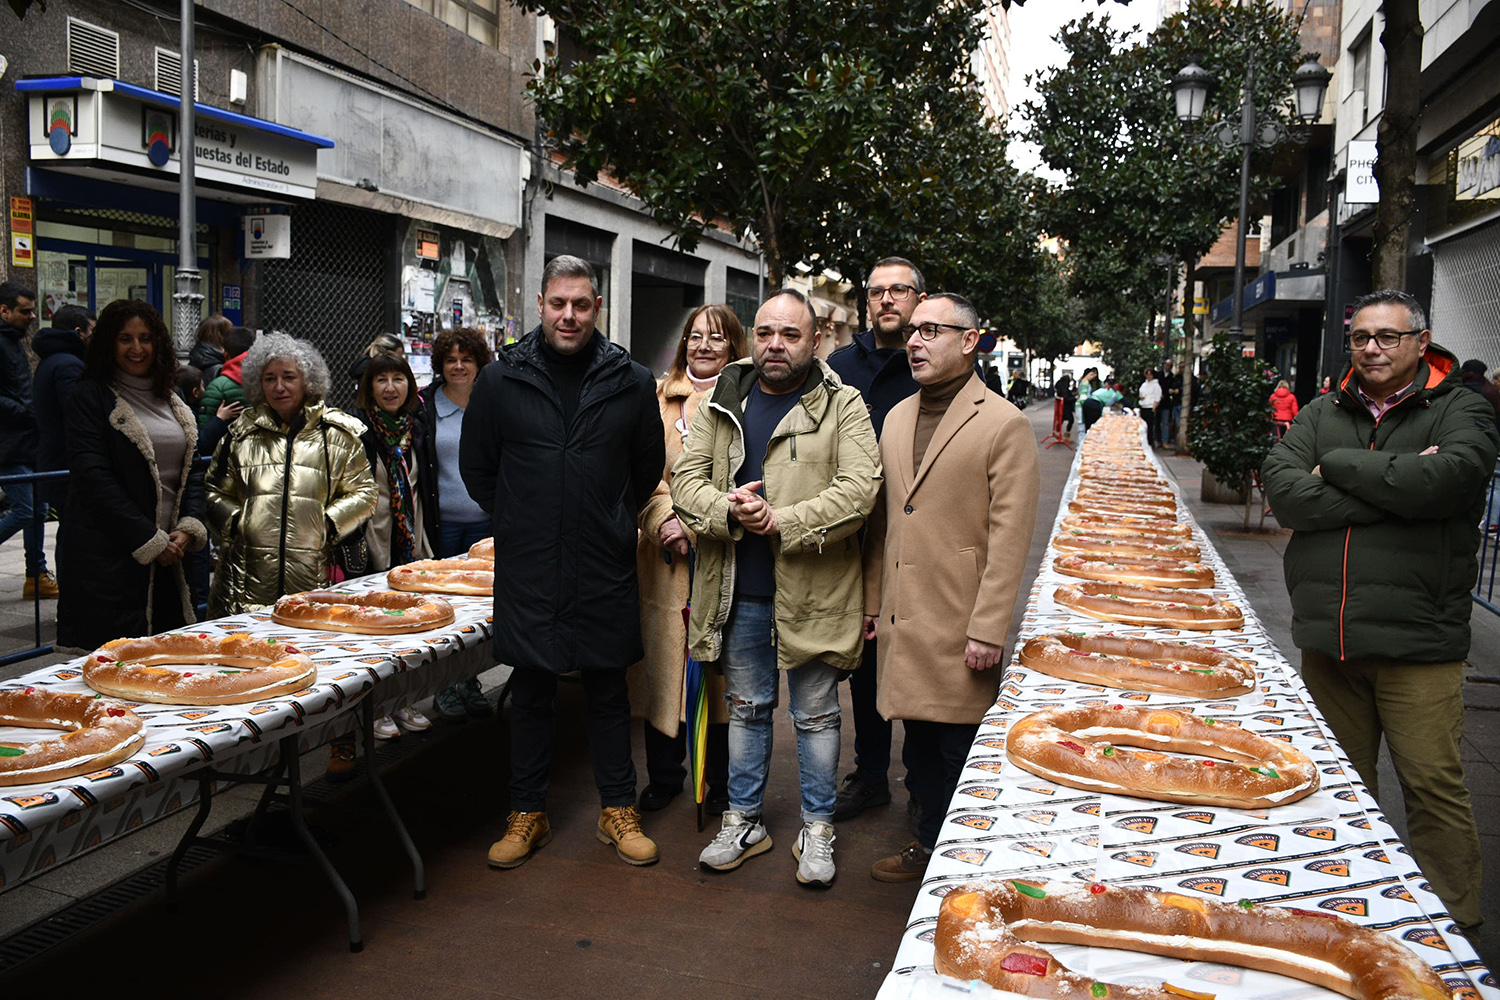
x,y
18,434
875,363
60,346
563,444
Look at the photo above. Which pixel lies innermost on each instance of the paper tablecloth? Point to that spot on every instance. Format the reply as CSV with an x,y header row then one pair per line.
x,y
1331,851
43,824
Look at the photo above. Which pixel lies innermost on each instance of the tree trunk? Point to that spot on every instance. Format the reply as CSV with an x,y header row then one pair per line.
x,y
1396,142
1189,353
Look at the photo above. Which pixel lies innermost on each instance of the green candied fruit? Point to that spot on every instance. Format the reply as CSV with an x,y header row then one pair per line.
x,y
1109,751
1030,890
1211,722
1099,990
1269,772
1206,671
271,641
11,751
231,671
396,612
98,696
1245,904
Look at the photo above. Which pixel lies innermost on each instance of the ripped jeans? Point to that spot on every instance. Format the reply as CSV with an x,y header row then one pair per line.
x,y
749,662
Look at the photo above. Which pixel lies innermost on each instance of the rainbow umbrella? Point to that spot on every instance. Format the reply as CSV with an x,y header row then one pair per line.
x,y
695,708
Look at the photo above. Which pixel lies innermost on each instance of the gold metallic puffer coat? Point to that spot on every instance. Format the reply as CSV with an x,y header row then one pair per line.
x,y
270,496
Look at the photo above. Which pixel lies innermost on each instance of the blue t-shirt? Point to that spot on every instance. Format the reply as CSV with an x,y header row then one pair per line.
x,y
755,563
454,503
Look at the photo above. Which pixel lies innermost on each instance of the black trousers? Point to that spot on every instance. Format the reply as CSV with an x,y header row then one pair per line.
x,y
665,755
1092,411
533,694
872,732
1148,414
934,754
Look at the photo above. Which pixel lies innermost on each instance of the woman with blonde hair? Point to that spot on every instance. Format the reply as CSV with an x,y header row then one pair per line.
x,y
711,338
288,480
1283,407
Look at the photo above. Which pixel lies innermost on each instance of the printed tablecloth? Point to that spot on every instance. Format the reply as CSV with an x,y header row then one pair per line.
x,y
1331,851
43,824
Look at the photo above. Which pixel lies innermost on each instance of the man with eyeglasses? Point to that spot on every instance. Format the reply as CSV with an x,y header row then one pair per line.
x,y
1382,482
944,555
18,435
778,473
875,363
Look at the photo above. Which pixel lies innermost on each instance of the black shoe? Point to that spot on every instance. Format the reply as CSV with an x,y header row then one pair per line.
x,y
856,795
657,795
716,802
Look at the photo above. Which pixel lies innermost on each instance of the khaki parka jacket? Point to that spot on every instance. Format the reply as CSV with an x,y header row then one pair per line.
x,y
822,474
272,492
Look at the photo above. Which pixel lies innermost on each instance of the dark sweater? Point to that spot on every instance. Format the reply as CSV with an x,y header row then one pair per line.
x,y
567,371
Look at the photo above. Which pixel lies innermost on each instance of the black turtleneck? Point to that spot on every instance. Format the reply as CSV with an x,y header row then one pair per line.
x,y
567,371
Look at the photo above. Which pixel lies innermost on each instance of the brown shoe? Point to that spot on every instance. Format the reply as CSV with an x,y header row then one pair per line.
x,y
908,866
621,826
341,760
41,583
525,834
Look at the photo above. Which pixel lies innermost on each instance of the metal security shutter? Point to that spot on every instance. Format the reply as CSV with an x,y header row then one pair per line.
x,y
1466,295
332,290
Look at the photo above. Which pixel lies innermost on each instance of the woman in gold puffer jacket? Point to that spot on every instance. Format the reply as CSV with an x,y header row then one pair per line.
x,y
288,480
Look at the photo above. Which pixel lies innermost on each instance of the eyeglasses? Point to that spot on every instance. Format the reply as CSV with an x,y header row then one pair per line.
x,y
929,331
1386,339
898,293
714,339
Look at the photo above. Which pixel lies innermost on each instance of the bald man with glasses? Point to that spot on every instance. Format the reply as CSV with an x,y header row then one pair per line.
x,y
1382,481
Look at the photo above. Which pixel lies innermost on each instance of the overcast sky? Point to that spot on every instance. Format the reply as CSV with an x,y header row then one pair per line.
x,y
1032,48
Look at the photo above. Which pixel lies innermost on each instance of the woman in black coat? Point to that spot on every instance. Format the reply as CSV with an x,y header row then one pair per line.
x,y
135,497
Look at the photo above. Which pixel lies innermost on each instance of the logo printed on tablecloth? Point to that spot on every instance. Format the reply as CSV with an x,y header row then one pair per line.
x,y
1196,816
1315,832
968,855
1462,989
1087,839
975,822
1201,850
1275,876
1209,885
1354,906
1146,859
982,791
1137,824
1398,892
1043,848
1265,841
1039,789
992,766
1426,935
1332,866
1088,808
1041,817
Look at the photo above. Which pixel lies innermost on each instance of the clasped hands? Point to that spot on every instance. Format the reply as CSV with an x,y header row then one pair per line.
x,y
752,511
177,543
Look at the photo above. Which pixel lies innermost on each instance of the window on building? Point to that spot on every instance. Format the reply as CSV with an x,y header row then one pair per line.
x,y
1359,77
1285,204
1317,180
479,19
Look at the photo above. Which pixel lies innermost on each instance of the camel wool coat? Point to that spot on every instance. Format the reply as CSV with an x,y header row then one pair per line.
x,y
657,682
945,552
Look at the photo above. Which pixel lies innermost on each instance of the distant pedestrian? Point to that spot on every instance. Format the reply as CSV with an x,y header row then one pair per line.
x,y
1170,410
227,386
1471,375
207,353
1283,407
1382,484
1066,391
18,435
1326,385
60,347
1149,398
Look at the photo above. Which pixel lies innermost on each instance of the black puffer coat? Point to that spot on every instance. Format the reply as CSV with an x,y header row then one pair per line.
x,y
61,352
17,421
109,542
564,502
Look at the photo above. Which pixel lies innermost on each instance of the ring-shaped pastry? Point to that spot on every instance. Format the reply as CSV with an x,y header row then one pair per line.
x,y
1134,664
445,576
1144,570
379,613
1133,604
242,668
1140,526
1084,747
96,734
1100,507
483,549
982,930
1167,548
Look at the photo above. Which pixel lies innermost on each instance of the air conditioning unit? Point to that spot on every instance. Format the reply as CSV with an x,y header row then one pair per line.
x,y
169,72
92,50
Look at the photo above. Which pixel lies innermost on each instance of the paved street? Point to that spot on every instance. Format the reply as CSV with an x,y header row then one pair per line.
x,y
574,921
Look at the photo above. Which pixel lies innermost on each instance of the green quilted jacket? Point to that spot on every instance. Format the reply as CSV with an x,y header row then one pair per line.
x,y
1384,547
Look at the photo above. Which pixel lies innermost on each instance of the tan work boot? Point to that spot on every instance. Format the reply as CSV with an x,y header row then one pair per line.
x,y
621,826
42,583
525,833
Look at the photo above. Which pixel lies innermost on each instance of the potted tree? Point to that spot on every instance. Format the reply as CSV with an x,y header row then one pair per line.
x,y
1230,430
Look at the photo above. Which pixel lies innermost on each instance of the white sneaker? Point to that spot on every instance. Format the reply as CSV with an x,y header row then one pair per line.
x,y
385,728
411,720
740,838
814,853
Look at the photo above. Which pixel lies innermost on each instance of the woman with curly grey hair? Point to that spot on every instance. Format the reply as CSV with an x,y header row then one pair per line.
x,y
287,481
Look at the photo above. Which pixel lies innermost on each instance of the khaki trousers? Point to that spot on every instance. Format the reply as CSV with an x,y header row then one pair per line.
x,y
1419,708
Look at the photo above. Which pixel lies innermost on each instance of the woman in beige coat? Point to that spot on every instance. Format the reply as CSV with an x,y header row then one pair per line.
x,y
711,338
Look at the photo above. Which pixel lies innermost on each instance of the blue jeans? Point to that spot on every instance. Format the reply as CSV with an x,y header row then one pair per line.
x,y
20,519
457,536
749,662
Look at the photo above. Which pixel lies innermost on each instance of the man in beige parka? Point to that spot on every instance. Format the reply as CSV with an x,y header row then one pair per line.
x,y
778,474
944,555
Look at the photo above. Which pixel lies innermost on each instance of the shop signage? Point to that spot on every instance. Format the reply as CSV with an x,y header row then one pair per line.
x,y
427,244
1359,186
268,236
102,125
22,236
1479,166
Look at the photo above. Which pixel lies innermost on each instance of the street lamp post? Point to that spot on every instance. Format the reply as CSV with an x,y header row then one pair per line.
x,y
1190,88
186,297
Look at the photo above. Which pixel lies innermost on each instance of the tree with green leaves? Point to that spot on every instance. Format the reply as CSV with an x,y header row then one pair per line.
x,y
1230,432
756,115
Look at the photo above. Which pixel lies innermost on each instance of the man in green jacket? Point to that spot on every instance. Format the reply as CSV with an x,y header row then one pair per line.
x,y
1382,482
779,471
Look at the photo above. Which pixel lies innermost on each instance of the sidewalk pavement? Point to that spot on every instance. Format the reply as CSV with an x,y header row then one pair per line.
x,y
574,921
